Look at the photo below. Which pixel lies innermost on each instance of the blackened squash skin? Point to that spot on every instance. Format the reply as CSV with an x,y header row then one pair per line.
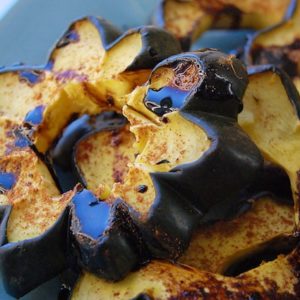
x,y
26,264
107,242
208,186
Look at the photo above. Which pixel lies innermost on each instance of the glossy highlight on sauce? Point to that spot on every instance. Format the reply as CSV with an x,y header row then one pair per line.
x,y
165,100
92,214
35,116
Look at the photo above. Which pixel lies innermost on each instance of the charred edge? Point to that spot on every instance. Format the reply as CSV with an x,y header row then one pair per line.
x,y
268,252
294,260
282,56
71,36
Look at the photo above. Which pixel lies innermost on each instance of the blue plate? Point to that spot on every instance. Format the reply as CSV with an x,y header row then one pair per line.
x,y
31,27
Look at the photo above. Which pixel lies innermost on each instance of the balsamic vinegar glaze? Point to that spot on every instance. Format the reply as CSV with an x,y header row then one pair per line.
x,y
165,100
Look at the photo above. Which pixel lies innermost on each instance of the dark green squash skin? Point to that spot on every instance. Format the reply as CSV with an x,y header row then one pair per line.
x,y
273,182
117,251
178,209
157,45
249,56
26,264
222,166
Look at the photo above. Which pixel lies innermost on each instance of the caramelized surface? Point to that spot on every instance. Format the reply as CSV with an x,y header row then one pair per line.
x,y
104,158
36,201
271,120
215,247
189,19
161,280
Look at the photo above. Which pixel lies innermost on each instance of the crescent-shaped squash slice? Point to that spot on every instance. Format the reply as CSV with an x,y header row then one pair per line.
x,y
86,73
271,118
35,216
187,20
278,45
216,247
177,146
277,279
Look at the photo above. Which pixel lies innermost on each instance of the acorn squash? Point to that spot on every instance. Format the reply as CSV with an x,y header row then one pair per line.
x,y
278,45
187,20
190,139
35,217
218,246
86,73
182,127
271,118
277,279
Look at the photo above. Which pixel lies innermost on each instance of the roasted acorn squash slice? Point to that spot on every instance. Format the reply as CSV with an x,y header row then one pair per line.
x,y
278,45
215,247
180,142
277,279
86,73
35,217
271,118
187,20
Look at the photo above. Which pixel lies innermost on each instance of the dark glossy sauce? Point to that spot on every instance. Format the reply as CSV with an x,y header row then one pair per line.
x,y
35,116
285,57
142,188
165,100
92,214
7,181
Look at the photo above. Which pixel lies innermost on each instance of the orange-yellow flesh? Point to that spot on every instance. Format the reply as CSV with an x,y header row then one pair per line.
x,y
283,35
7,138
192,18
162,280
85,78
271,121
183,18
36,201
18,97
83,56
160,146
213,248
103,159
